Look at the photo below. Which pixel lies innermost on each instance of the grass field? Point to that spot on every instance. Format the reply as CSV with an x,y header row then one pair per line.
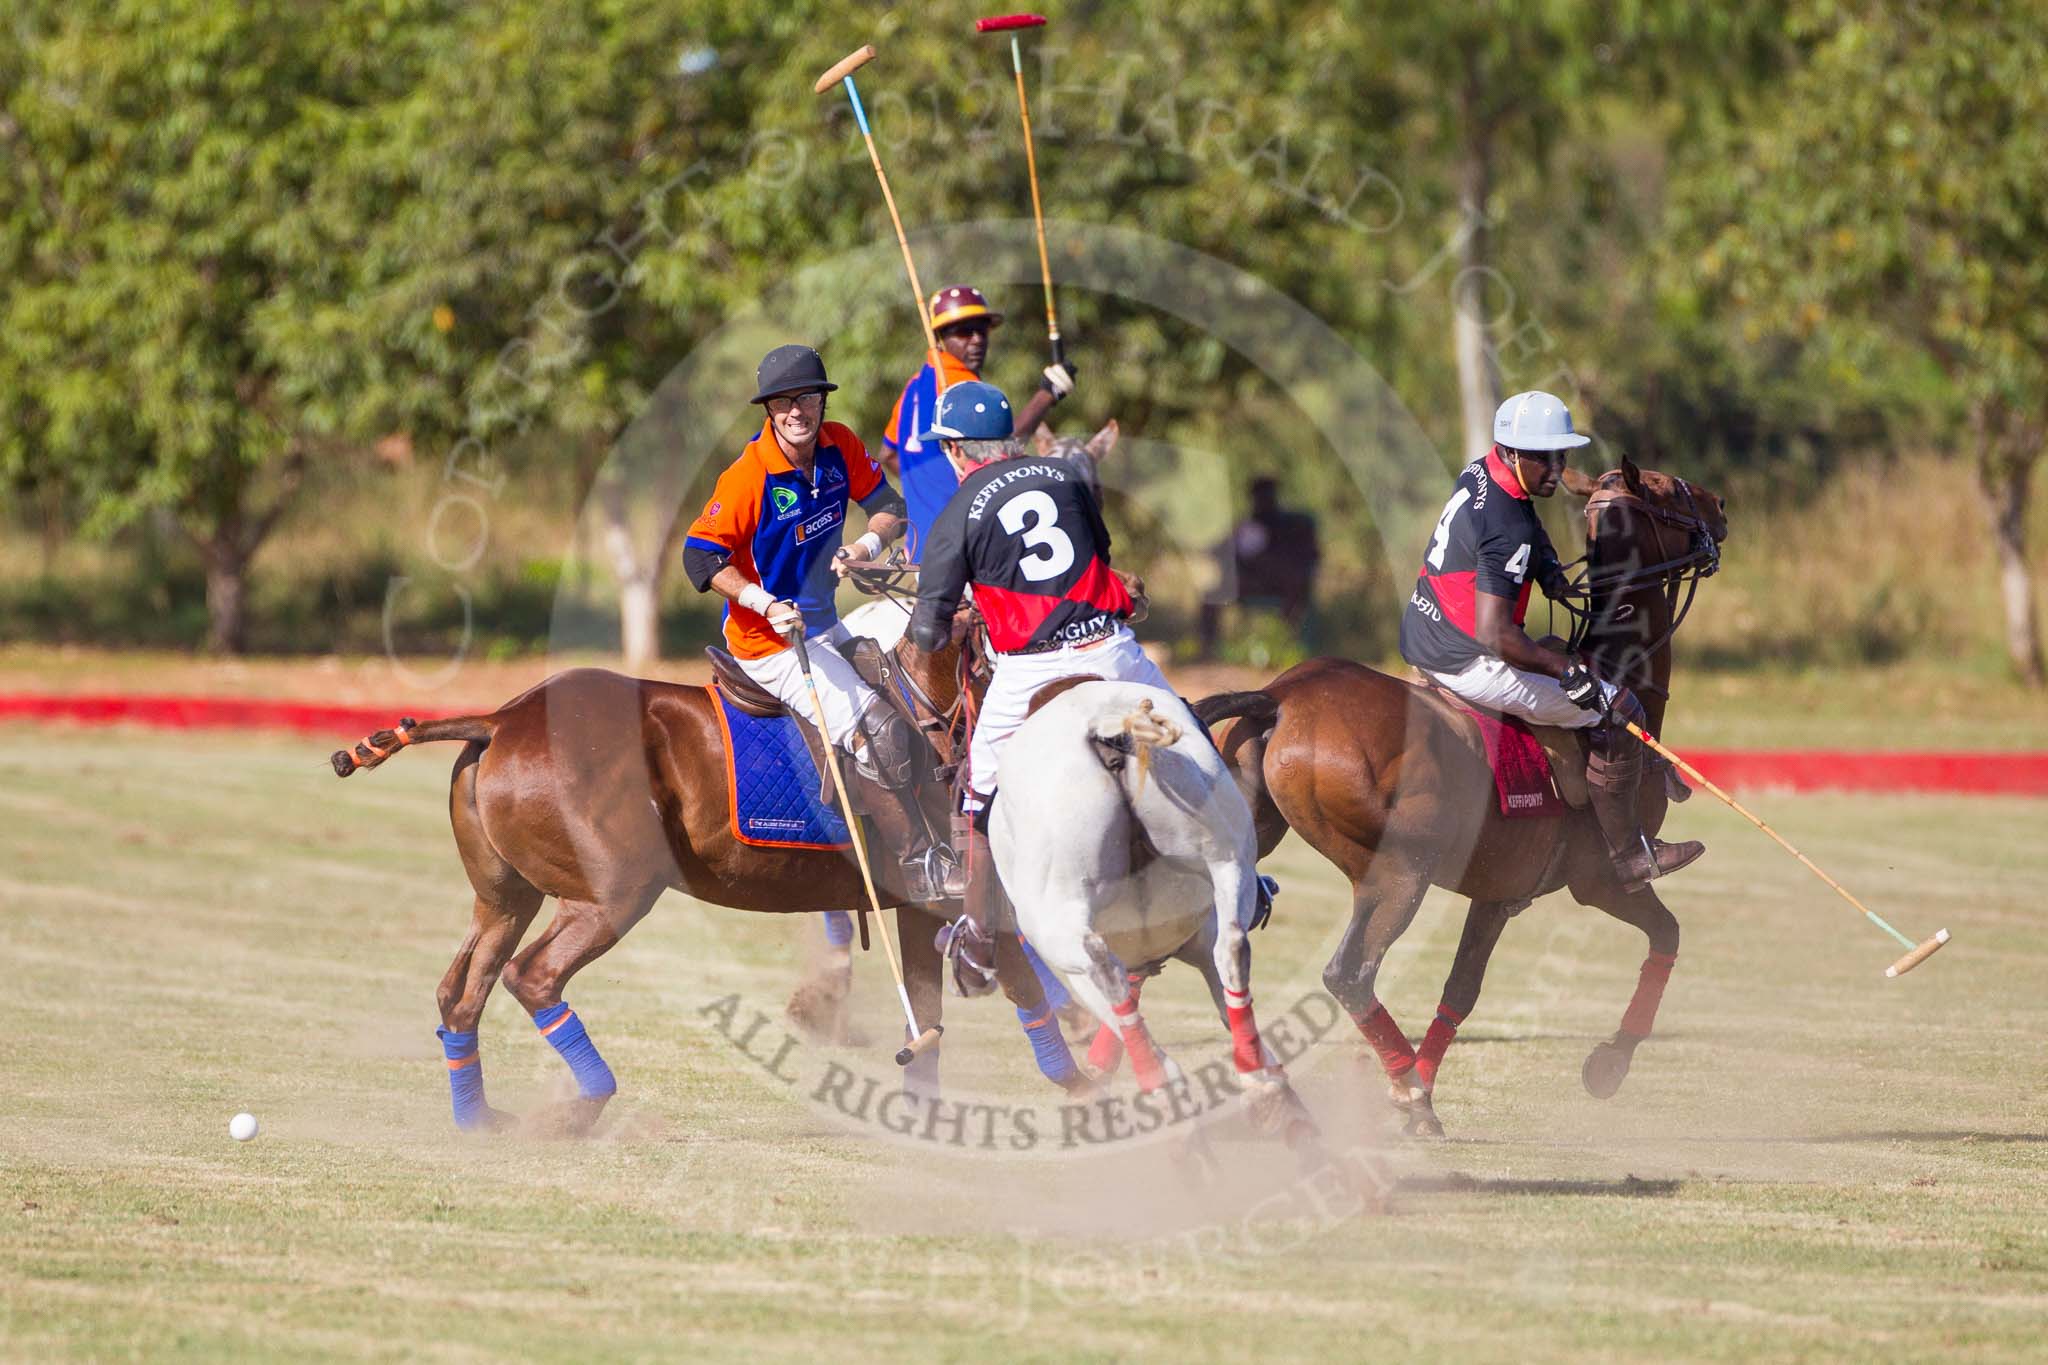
x,y
1808,1161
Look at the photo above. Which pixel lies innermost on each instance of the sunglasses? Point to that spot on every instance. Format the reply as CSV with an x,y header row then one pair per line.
x,y
790,402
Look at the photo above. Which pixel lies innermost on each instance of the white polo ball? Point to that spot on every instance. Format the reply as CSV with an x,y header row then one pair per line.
x,y
242,1127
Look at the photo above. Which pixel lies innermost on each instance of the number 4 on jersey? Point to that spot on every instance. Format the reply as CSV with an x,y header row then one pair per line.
x,y
1442,539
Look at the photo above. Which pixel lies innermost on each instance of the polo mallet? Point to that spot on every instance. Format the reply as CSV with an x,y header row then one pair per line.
x,y
1916,953
842,71
1010,23
919,1040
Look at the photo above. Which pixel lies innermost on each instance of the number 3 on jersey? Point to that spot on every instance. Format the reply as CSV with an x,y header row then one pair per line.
x,y
1035,516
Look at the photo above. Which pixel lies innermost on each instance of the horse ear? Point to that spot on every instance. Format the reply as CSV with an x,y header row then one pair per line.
x,y
1044,441
1103,441
1576,484
1631,476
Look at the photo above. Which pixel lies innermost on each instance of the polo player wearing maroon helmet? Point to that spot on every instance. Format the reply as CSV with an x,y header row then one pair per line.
x,y
961,321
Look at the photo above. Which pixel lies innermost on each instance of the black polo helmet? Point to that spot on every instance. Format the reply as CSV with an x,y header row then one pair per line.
x,y
791,369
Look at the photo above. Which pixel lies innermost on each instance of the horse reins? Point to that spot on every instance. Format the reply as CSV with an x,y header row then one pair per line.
x,y
1683,572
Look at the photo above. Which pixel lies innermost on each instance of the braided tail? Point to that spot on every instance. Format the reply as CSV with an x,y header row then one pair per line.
x,y
1135,736
375,748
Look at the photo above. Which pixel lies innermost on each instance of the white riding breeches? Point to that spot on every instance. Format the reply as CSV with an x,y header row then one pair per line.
x,y
1495,684
840,689
1116,658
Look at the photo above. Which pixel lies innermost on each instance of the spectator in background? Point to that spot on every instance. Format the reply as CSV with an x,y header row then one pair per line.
x,y
1268,561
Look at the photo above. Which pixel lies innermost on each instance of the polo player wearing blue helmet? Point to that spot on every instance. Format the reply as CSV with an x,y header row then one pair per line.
x,y
1026,533
1463,623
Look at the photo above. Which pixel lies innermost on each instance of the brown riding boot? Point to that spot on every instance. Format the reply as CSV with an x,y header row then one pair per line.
x,y
889,759
1614,775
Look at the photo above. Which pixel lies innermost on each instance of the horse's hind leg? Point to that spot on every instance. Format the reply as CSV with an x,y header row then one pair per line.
x,y
579,934
494,931
1484,921
1385,896
505,905
1607,1064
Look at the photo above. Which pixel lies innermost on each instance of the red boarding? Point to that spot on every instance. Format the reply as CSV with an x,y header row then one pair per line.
x,y
1521,770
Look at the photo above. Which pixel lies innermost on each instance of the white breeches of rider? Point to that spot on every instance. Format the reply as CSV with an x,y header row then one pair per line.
x,y
1118,658
1493,683
840,689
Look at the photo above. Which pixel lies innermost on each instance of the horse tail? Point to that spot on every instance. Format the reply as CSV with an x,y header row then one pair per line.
x,y
1261,709
374,749
1134,736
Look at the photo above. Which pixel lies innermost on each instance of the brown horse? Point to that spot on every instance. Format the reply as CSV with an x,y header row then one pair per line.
x,y
1391,785
604,791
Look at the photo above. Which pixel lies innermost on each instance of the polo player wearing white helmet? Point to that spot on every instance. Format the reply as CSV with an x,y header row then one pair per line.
x,y
1463,624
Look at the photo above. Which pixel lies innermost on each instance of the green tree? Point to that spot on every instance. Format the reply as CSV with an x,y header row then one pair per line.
x,y
154,352
1891,198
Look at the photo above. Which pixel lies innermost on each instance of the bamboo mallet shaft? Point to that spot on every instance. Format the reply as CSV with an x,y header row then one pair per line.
x,y
1916,953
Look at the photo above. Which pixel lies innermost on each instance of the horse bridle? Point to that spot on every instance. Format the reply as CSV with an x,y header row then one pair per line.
x,y
1701,559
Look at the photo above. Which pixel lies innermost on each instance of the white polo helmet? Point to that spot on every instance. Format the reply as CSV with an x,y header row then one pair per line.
x,y
1535,421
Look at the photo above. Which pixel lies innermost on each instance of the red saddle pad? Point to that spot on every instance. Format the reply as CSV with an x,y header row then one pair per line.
x,y
1521,768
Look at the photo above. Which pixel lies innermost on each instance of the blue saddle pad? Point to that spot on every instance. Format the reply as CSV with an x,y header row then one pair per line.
x,y
774,784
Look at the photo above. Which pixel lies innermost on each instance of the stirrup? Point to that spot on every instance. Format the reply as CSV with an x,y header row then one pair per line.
x,y
935,875
1262,909
970,957
1656,858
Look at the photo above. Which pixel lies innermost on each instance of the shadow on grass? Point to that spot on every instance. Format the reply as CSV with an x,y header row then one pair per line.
x,y
1910,1135
1628,1187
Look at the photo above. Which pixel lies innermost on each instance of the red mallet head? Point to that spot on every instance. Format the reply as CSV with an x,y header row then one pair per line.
x,y
1006,21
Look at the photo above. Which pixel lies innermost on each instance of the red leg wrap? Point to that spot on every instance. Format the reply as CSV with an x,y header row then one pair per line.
x,y
1145,1063
1430,1056
1244,1032
1642,1008
1387,1039
1106,1051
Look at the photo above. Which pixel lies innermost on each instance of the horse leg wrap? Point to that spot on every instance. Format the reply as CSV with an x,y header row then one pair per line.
x,y
1387,1039
1106,1051
1048,1045
1145,1061
1442,1029
465,1078
1244,1032
564,1032
1056,997
1642,1007
839,929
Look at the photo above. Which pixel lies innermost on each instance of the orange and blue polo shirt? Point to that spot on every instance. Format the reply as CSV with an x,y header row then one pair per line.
x,y
928,479
781,529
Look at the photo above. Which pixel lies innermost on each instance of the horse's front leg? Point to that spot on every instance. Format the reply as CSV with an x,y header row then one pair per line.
x,y
1020,983
923,975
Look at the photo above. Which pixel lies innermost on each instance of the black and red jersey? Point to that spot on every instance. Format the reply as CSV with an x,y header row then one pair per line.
x,y
1487,540
1028,534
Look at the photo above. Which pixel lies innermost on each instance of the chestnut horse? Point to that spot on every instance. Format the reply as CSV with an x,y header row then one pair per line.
x,y
603,791
1387,783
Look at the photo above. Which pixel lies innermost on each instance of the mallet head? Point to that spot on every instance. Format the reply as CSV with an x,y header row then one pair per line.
x,y
1918,955
844,67
1007,21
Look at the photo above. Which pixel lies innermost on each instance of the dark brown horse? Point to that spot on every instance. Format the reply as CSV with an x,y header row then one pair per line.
x,y
604,791
1391,785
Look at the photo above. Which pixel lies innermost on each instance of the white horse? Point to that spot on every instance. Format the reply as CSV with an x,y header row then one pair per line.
x,y
1096,774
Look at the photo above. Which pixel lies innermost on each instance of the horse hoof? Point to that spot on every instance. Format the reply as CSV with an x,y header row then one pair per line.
x,y
1077,1021
1422,1121
572,1118
1606,1067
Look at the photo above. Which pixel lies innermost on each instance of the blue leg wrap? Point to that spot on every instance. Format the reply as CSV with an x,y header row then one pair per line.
x,y
838,928
1049,1046
1056,997
564,1032
465,1078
